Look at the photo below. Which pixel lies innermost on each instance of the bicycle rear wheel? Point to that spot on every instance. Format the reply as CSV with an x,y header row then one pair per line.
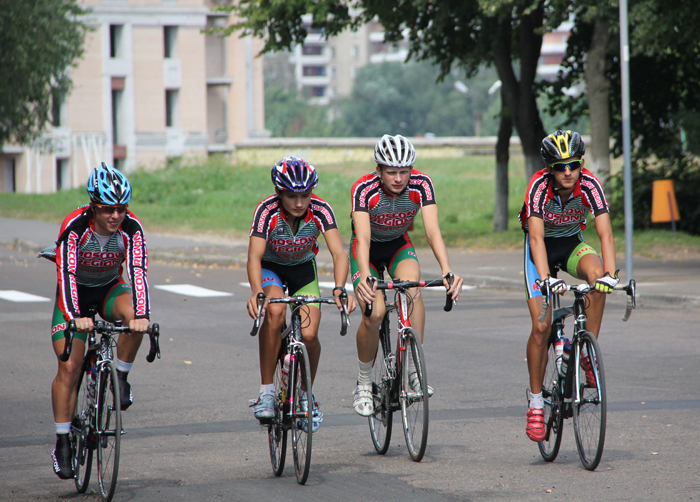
x,y
381,420
590,412
80,431
413,394
109,427
301,439
276,433
551,392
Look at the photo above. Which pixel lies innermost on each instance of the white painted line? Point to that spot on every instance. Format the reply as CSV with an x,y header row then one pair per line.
x,y
331,285
190,290
18,296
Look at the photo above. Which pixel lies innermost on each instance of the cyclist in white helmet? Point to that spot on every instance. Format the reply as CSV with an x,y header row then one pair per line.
x,y
384,204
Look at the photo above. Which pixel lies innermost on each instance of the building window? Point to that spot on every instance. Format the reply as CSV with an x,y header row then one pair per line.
x,y
62,174
116,115
312,50
317,91
314,71
8,176
334,72
115,40
356,51
169,42
58,109
171,103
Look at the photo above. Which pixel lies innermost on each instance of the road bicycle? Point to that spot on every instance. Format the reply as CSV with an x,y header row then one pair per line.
x,y
293,379
399,379
97,425
575,386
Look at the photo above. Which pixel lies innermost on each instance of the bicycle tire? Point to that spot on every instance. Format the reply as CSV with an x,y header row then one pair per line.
x,y
109,427
590,412
276,433
79,432
300,373
380,422
414,401
553,402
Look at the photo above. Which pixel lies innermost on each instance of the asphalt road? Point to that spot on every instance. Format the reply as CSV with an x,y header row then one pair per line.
x,y
191,436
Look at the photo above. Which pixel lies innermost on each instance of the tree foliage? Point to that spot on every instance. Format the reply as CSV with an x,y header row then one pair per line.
x,y
39,40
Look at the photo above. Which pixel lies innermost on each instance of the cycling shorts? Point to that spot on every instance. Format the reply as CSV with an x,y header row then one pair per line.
x,y
300,279
388,254
563,253
101,299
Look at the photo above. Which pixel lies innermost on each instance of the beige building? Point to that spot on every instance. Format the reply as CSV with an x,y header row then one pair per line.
x,y
150,86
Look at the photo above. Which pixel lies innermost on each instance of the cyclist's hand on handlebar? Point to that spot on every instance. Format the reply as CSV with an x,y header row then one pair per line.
x,y
365,292
252,307
138,325
556,286
84,324
456,288
352,304
606,283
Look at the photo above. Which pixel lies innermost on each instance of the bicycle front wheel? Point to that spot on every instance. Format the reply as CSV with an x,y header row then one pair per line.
x,y
590,411
551,392
302,415
276,433
80,432
109,428
381,419
413,394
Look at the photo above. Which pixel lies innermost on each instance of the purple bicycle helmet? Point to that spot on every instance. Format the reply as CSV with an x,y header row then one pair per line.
x,y
294,174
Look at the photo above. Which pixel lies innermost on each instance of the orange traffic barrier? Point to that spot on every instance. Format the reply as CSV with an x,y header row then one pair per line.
x,y
663,202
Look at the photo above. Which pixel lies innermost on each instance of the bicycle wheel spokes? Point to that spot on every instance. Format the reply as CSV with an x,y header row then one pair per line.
x,y
109,426
381,420
302,415
79,431
276,433
413,394
551,392
590,412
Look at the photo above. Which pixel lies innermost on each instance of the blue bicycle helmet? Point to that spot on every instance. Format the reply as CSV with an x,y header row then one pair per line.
x,y
107,185
294,174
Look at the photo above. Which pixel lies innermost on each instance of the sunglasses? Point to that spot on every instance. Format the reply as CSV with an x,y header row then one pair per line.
x,y
105,209
571,164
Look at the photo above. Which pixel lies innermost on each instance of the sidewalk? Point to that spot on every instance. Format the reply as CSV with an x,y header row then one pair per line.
x,y
659,282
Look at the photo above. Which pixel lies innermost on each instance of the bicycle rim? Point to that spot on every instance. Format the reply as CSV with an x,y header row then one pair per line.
x,y
301,440
276,434
109,426
414,400
381,420
79,430
590,413
551,392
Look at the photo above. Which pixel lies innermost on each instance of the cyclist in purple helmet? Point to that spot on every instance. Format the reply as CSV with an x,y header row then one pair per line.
x,y
282,250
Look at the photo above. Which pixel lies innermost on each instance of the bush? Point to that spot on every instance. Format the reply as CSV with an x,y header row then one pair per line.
x,y
685,173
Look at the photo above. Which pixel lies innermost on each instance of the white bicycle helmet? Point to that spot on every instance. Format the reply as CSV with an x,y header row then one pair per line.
x,y
394,151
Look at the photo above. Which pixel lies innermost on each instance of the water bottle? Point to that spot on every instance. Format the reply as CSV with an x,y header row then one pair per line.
x,y
285,369
566,352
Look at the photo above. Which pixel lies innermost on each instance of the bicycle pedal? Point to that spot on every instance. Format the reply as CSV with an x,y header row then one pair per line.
x,y
123,431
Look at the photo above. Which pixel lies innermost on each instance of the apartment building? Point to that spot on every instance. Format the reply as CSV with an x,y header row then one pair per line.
x,y
150,86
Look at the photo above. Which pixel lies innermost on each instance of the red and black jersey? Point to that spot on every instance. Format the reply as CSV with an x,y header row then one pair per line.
x,y
562,219
391,215
284,246
82,260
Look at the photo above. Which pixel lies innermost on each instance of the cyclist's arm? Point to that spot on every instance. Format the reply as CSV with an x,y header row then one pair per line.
x,y
431,224
341,263
538,252
256,250
363,238
607,242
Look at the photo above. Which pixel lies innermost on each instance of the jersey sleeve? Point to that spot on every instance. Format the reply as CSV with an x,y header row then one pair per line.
x,y
136,261
363,190
73,228
535,196
323,214
592,190
263,217
421,189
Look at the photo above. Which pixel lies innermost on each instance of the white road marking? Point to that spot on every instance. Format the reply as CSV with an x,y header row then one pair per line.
x,y
18,296
190,290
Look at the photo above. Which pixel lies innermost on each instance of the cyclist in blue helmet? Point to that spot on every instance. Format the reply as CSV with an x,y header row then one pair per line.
x,y
282,250
94,243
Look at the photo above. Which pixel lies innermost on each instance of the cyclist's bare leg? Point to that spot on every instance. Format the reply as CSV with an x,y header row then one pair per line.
x,y
128,343
309,333
368,332
409,270
269,339
537,344
64,387
590,269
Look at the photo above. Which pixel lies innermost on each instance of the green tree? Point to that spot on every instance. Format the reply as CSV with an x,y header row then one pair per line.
x,y
39,41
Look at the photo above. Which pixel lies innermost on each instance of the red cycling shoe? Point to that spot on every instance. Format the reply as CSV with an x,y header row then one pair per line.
x,y
590,377
535,424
